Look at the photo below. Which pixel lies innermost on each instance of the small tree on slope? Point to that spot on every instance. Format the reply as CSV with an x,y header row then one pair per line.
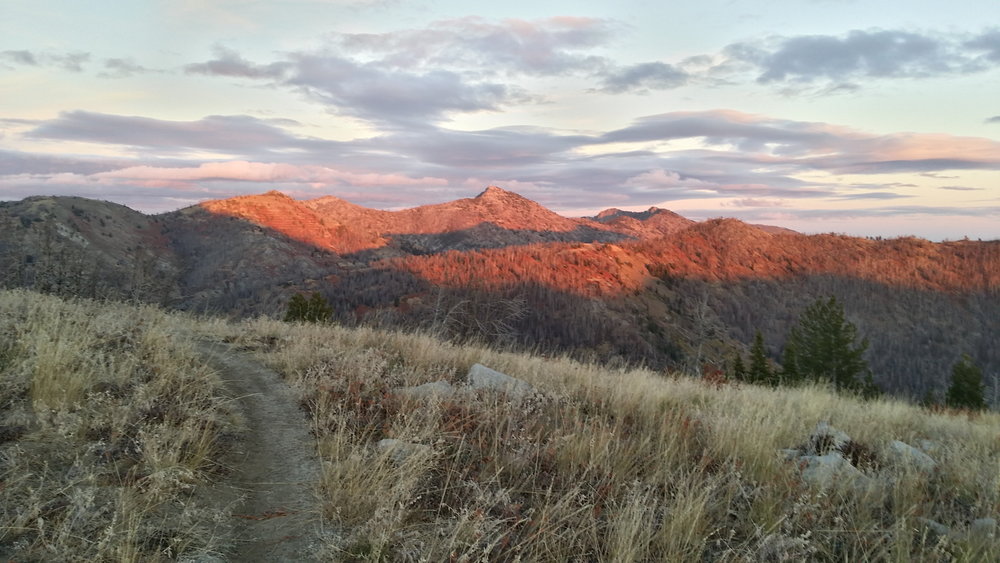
x,y
966,389
315,309
760,371
822,347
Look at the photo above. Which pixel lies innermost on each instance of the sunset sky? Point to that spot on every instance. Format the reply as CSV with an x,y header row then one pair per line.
x,y
863,117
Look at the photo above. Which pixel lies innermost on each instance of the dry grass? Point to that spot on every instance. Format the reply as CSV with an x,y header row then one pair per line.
x,y
108,422
611,465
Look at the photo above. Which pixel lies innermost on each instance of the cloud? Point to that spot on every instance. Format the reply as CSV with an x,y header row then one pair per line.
x,y
394,96
960,188
994,119
235,133
874,195
987,43
878,53
654,75
264,173
122,68
427,74
806,146
71,61
720,154
755,202
544,47
20,57
229,63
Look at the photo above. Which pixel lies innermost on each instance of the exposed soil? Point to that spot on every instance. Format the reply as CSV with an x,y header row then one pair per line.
x,y
275,469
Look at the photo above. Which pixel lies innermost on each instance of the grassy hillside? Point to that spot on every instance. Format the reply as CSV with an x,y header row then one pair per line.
x,y
109,422
612,465
113,431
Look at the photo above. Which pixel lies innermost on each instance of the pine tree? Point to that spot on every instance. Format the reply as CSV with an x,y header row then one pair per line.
x,y
966,389
760,371
739,371
789,367
823,347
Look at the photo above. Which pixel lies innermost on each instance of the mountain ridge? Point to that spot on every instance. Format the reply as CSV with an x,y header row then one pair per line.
x,y
639,286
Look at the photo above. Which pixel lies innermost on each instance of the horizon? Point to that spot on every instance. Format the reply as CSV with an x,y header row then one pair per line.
x,y
819,116
592,215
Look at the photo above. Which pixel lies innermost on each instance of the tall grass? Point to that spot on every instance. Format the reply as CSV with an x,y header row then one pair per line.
x,y
611,465
108,421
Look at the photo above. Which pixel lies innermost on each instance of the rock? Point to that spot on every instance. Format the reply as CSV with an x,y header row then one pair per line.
x,y
400,450
435,389
825,471
779,547
905,455
928,447
483,378
826,438
936,527
983,528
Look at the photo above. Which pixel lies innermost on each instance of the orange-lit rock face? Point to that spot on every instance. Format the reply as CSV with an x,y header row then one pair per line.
x,y
663,245
279,213
334,224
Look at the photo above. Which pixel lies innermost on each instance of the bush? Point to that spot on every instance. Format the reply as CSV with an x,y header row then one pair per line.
x,y
966,389
315,309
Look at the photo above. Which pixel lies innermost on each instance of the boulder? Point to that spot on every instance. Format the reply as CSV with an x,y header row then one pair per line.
x,y
983,528
937,528
434,389
831,469
906,456
826,438
483,378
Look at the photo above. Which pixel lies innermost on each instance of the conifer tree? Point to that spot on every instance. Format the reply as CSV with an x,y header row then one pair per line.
x,y
966,389
760,371
739,372
823,348
789,368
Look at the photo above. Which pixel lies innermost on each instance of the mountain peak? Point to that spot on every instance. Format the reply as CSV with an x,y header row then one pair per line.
x,y
496,192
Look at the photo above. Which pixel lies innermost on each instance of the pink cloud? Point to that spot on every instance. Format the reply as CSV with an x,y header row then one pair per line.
x,y
241,170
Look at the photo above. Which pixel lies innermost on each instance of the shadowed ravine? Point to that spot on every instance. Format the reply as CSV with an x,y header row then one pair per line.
x,y
274,469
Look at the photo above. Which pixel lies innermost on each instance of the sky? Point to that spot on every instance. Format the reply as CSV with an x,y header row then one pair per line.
x,y
870,118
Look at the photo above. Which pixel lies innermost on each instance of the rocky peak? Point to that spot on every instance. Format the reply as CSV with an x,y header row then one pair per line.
x,y
496,193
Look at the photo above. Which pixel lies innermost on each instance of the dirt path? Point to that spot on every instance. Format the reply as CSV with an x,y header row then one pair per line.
x,y
277,468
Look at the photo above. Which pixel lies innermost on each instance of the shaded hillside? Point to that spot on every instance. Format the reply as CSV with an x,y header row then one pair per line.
x,y
78,246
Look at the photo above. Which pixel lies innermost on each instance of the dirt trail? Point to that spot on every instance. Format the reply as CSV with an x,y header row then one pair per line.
x,y
276,467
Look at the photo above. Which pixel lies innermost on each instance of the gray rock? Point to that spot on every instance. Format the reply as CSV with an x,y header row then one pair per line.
x,y
928,447
934,526
905,455
833,469
435,389
400,450
825,438
483,378
983,528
